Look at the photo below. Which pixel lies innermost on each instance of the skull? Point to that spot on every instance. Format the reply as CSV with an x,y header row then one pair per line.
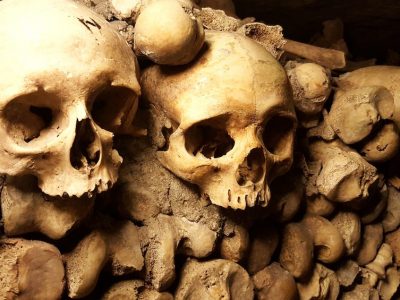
x,y
230,119
68,81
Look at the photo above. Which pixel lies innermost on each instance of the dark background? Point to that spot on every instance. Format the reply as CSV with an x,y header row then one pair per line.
x,y
371,27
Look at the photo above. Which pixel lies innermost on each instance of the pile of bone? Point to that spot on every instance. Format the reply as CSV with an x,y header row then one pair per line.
x,y
212,194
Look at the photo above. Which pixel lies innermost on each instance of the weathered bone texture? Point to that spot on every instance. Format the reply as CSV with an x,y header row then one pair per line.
x,y
227,6
140,197
349,226
347,273
215,279
338,172
323,284
297,250
114,242
134,289
229,135
355,112
30,270
383,146
176,220
84,264
63,99
376,76
163,237
369,277
26,209
122,238
270,37
361,291
235,242
273,282
218,20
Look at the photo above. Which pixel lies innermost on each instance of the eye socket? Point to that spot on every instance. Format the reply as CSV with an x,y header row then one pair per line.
x,y
208,139
278,135
114,107
27,117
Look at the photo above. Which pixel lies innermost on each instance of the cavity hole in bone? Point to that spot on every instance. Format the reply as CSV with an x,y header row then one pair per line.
x,y
278,134
320,249
27,116
112,107
210,140
46,117
85,151
166,132
252,168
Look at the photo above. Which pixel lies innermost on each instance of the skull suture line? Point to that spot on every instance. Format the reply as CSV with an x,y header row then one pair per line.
x,y
67,81
231,117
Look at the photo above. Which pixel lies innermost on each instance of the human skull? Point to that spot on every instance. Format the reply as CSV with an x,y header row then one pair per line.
x,y
67,82
230,116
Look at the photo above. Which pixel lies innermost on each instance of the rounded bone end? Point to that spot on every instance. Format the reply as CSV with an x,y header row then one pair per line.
x,y
84,264
383,146
273,282
30,270
216,279
328,242
165,34
297,250
311,86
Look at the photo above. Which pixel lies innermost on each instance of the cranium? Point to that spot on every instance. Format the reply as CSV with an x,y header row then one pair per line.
x,y
67,82
231,118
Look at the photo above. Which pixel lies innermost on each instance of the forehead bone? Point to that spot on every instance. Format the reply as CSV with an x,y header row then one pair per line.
x,y
230,67
60,35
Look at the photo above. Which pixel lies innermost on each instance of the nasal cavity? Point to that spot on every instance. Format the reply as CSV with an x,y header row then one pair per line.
x,y
86,149
252,168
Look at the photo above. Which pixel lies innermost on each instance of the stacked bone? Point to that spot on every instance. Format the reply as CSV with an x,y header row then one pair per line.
x,y
330,228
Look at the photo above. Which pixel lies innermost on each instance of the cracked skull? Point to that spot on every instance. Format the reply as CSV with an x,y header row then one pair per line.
x,y
225,122
68,82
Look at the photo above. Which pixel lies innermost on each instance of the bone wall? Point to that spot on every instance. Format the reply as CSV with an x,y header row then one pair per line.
x,y
330,227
